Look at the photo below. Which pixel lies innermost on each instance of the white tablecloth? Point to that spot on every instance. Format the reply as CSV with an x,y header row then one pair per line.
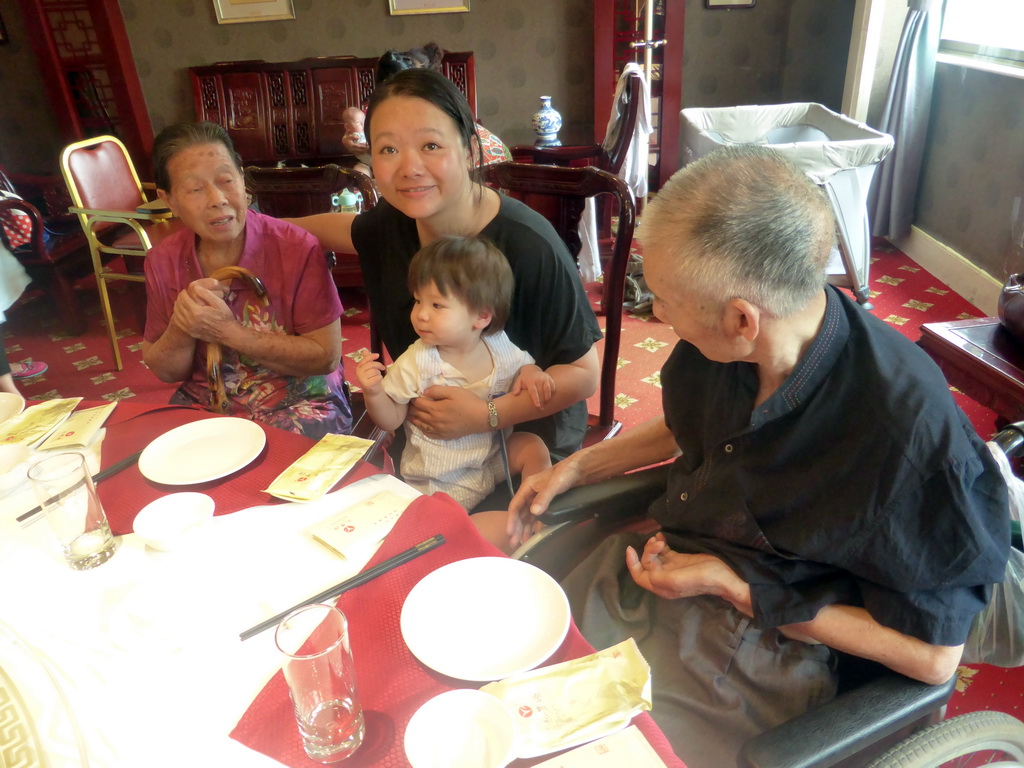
x,y
138,662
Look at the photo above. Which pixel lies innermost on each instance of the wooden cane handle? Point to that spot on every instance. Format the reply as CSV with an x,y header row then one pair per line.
x,y
214,372
252,282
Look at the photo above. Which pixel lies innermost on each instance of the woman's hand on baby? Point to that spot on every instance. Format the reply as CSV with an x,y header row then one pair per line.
x,y
370,373
445,413
535,381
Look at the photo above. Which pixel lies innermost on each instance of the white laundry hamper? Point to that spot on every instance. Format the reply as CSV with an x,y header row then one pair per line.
x,y
837,153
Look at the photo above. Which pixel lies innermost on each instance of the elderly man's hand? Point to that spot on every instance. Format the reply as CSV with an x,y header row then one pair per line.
x,y
534,496
200,310
672,575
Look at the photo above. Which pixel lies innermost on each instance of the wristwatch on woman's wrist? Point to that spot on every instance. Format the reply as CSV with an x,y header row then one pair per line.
x,y
492,415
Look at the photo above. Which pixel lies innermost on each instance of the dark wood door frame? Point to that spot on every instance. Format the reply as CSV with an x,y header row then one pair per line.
x,y
69,67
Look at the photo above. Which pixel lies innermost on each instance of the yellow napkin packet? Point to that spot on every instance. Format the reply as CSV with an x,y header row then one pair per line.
x,y
34,424
80,428
356,531
628,747
318,470
576,701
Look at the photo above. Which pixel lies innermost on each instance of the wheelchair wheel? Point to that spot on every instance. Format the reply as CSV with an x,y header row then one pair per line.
x,y
977,738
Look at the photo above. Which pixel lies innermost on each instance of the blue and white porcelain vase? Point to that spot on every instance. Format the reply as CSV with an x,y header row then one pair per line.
x,y
546,123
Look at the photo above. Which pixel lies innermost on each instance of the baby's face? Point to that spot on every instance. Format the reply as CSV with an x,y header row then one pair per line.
x,y
353,121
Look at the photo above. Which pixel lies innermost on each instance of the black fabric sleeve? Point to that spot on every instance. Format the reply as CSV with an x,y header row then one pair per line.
x,y
926,571
551,317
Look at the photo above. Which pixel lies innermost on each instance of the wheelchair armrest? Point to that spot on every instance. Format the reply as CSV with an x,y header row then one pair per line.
x,y
1011,439
617,497
861,717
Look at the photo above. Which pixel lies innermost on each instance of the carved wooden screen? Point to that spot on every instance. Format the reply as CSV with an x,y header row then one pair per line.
x,y
291,111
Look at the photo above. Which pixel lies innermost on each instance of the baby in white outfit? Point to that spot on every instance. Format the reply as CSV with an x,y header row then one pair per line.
x,y
462,289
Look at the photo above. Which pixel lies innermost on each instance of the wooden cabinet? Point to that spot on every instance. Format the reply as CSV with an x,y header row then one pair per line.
x,y
620,28
291,111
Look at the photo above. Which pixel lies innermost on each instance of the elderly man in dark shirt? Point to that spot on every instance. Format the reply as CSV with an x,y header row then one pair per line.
x,y
826,493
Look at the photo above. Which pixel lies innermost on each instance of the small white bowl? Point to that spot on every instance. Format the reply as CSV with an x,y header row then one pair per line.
x,y
167,522
463,728
14,461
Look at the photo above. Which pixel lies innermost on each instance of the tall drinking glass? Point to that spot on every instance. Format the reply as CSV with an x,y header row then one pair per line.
x,y
321,679
65,491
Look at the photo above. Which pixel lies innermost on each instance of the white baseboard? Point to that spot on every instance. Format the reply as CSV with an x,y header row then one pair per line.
x,y
970,281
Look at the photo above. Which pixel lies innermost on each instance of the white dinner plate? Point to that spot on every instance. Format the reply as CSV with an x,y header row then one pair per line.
x,y
10,405
485,618
201,451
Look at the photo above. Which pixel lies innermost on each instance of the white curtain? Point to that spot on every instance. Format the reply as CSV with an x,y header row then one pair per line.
x,y
907,108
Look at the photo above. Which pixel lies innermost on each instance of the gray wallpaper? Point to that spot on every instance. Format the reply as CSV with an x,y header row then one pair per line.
x,y
518,48
778,51
773,53
29,139
974,167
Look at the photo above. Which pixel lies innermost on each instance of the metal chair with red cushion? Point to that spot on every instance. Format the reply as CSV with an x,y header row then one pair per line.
x,y
106,194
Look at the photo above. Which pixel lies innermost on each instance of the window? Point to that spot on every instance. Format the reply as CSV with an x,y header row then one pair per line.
x,y
986,29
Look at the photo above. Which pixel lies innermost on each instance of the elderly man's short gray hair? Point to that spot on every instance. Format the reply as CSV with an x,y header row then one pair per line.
x,y
743,222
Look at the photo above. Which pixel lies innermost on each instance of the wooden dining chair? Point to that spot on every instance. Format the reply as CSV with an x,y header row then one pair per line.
x,y
609,155
569,188
52,250
106,193
293,192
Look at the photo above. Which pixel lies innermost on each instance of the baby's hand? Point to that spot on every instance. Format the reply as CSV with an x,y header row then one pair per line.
x,y
535,381
370,374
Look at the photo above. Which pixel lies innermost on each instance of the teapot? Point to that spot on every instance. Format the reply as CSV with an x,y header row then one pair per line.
x,y
1011,305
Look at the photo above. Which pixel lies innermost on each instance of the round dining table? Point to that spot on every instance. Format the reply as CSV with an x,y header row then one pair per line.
x,y
139,661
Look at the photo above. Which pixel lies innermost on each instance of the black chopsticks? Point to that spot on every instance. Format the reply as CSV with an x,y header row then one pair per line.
x,y
392,562
113,469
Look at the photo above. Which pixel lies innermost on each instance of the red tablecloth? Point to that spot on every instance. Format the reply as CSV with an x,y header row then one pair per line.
x,y
393,684
132,426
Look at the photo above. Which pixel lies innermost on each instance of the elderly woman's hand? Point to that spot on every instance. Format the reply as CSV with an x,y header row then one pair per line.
x,y
200,310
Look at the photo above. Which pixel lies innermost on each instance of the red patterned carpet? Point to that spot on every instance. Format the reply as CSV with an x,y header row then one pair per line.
x,y
904,295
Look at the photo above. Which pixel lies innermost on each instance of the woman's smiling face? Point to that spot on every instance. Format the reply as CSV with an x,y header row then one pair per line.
x,y
420,164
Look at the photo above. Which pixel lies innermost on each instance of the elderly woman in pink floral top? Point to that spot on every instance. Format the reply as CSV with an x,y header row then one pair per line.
x,y
281,362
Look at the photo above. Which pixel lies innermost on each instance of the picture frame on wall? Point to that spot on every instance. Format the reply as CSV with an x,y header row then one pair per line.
x,y
235,11
403,7
729,3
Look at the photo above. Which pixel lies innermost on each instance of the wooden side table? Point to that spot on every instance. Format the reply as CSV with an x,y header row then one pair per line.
x,y
981,359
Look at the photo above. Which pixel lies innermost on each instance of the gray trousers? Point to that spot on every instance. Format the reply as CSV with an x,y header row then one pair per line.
x,y
717,678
